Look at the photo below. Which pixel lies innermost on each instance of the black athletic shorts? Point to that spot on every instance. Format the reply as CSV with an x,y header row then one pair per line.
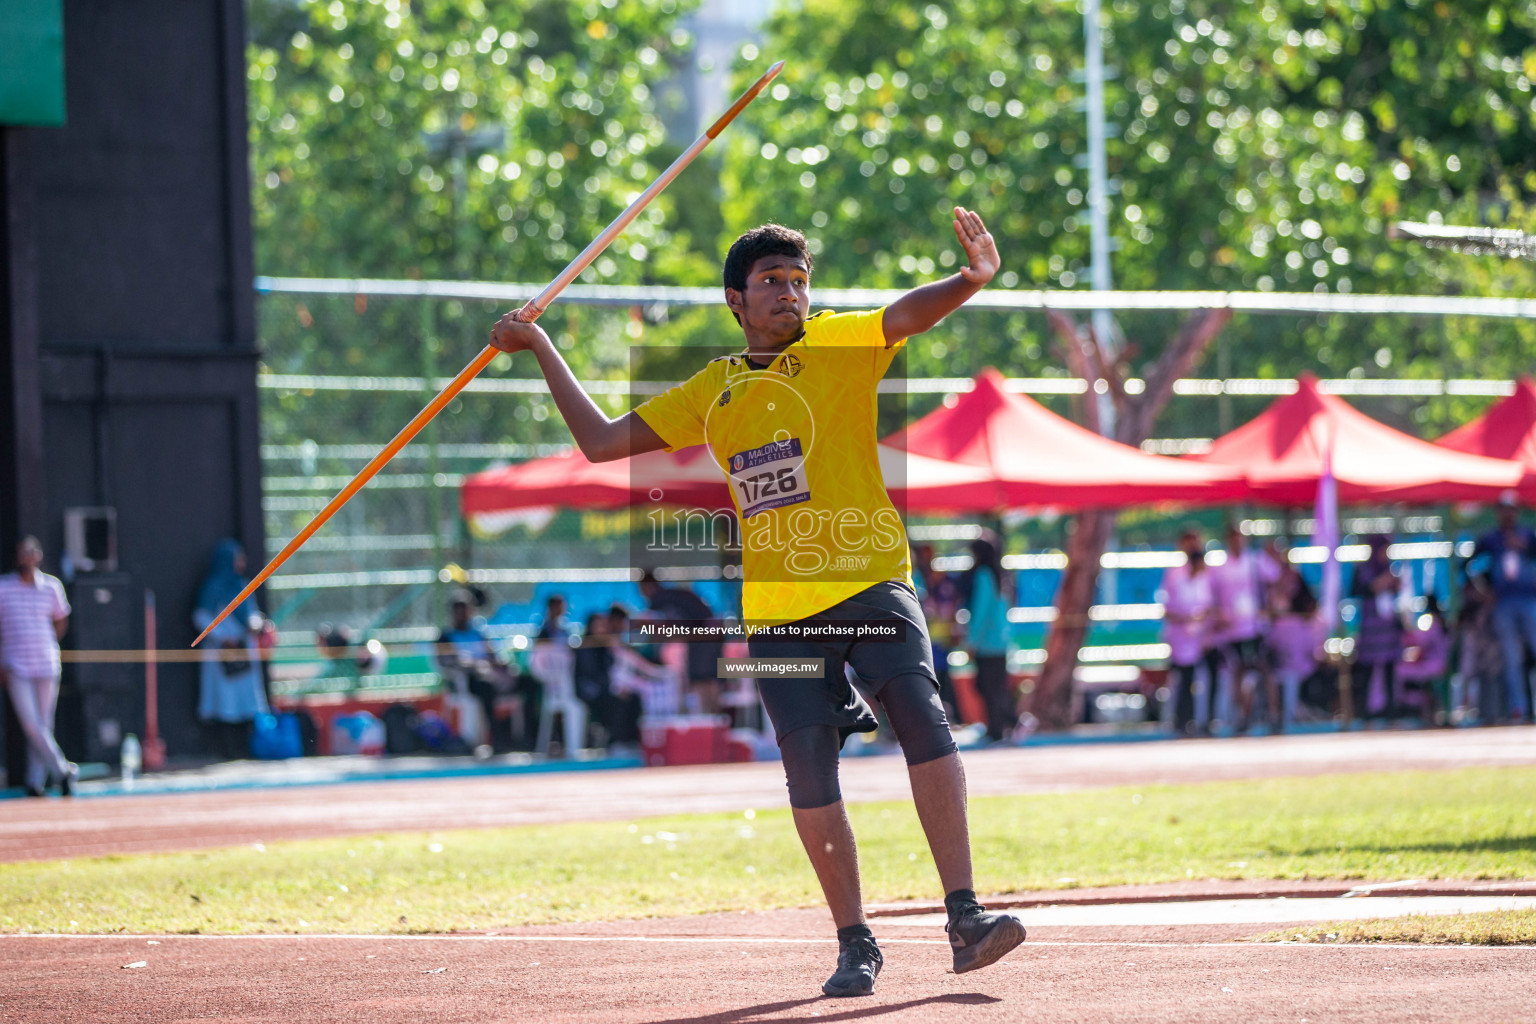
x,y
796,703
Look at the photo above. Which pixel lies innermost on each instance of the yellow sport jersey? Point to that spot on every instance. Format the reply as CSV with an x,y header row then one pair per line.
x,y
797,441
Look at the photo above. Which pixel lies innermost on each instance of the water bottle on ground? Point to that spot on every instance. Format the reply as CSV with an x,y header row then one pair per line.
x,y
132,759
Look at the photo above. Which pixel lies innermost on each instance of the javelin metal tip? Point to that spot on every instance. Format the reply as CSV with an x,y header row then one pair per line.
x,y
745,98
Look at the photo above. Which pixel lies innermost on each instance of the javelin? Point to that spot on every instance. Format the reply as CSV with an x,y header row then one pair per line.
x,y
1473,241
528,313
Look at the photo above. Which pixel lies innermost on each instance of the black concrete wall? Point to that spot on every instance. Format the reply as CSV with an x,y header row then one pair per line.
x,y
127,345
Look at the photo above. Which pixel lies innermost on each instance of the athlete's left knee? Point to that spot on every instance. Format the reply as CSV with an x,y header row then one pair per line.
x,y
916,713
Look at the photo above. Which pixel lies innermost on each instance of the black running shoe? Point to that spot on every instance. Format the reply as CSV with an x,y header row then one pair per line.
x,y
858,963
979,938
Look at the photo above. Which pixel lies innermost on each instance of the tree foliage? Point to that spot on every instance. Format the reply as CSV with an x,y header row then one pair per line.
x,y
451,139
356,108
1257,146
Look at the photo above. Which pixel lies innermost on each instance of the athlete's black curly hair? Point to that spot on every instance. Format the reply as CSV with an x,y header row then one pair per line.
x,y
768,240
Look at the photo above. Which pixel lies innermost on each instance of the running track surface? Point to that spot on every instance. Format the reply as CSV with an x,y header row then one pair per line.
x,y
53,829
736,968
734,980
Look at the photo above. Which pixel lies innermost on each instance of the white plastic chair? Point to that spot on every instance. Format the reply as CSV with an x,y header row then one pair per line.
x,y
743,704
461,710
553,664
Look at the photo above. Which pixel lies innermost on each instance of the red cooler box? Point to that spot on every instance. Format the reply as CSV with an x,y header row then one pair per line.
x,y
685,739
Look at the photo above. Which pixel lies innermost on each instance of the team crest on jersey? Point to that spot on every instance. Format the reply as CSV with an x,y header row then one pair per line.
x,y
738,463
790,365
725,397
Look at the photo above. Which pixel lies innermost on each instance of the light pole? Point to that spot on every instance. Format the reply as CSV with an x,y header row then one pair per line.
x,y
1103,323
1098,202
459,144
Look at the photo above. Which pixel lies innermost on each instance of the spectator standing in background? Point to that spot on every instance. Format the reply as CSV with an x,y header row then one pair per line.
x,y
231,690
1238,587
1379,643
984,595
1511,575
1187,608
1286,583
679,604
939,596
554,629
34,613
1478,659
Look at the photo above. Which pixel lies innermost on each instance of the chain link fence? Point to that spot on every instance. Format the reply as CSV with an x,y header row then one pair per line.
x,y
343,372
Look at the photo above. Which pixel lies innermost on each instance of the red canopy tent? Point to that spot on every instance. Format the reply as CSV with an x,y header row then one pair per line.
x,y
1505,431
1281,454
690,477
685,477
1036,457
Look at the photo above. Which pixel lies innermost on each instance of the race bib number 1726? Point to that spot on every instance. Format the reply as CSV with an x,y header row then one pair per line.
x,y
769,477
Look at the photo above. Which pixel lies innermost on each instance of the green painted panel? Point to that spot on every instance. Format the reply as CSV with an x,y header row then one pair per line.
x,y
32,62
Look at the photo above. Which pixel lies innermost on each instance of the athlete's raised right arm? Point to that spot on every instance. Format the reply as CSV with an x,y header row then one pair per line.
x,y
600,439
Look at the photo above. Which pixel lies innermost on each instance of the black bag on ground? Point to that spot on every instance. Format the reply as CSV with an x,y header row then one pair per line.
x,y
309,735
400,730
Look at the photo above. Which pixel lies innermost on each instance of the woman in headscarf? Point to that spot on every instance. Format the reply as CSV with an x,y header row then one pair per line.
x,y
984,597
231,694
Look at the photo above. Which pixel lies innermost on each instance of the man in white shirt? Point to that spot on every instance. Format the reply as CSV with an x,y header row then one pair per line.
x,y
34,613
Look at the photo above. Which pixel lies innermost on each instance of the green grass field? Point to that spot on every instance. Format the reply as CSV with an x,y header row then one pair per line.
x,y
1465,824
1496,928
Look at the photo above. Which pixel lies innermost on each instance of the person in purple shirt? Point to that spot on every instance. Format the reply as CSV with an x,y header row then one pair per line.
x,y
1295,643
1238,586
1426,659
34,614
1510,554
1187,606
1379,641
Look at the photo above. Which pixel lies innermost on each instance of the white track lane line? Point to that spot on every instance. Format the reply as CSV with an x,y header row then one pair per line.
x,y
760,941
1257,912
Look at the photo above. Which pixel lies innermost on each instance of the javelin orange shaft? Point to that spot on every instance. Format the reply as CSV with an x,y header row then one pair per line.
x,y
367,473
529,312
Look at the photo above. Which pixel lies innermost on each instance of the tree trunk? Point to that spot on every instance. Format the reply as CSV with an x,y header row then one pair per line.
x,y
1135,417
1091,531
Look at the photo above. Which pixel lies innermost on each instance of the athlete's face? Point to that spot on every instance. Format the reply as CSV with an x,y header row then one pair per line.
x,y
776,301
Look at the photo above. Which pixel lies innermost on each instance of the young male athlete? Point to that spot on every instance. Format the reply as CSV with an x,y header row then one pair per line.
x,y
791,421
